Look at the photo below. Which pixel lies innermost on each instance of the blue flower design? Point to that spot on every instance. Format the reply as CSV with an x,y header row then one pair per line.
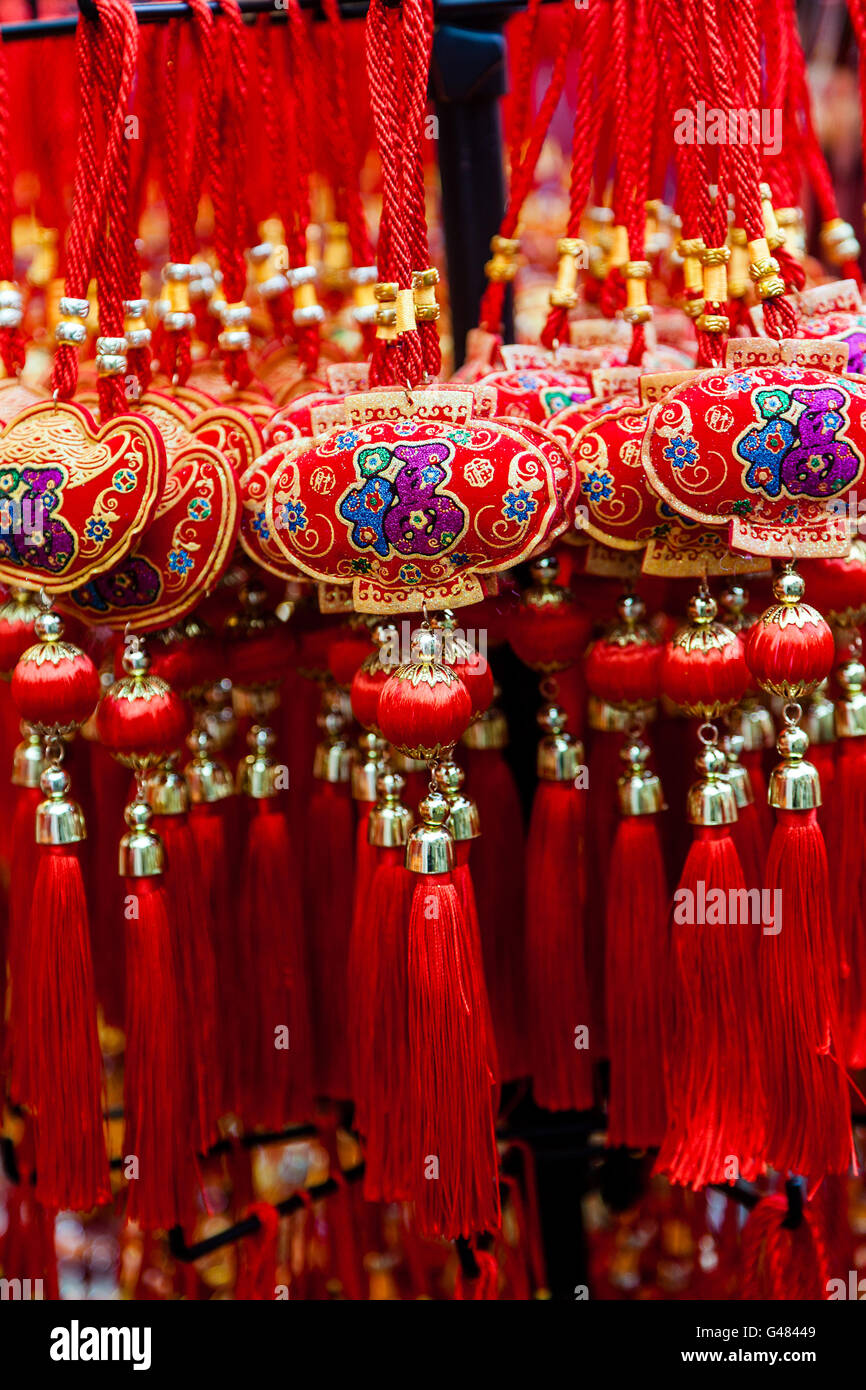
x,y
459,557
260,526
347,440
739,381
527,380
519,506
681,452
789,515
598,486
410,574
96,528
405,427
199,509
180,561
361,565
459,436
294,515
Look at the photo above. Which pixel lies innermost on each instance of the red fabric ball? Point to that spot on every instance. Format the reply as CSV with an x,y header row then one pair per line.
x,y
366,688
626,675
424,708
790,650
549,636
260,657
475,673
705,681
346,654
55,685
139,719
837,587
17,617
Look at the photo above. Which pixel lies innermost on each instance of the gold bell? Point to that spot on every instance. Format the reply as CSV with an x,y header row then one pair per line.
x,y
430,849
28,760
463,819
794,782
560,757
819,720
711,799
165,790
141,852
638,789
207,779
850,711
390,822
257,773
737,775
367,766
334,755
59,820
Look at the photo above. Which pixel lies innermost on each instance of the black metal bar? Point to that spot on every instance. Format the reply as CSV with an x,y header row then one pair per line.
x,y
251,1224
148,13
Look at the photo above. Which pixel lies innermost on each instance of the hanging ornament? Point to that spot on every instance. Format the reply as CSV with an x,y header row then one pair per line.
x,y
636,940
55,688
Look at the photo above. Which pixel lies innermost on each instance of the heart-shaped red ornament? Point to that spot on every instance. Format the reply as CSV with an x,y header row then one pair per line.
x,y
77,496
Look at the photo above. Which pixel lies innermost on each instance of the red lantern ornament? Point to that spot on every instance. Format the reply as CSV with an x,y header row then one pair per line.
x,y
140,719
790,649
371,676
623,668
55,686
703,668
424,707
548,631
18,615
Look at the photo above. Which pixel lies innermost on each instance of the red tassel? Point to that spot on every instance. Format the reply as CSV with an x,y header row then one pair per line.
x,y
637,943
747,830
65,1067
157,1157
330,856
257,1268
500,901
462,879
714,1105
753,761
276,1052
484,1287
209,823
557,993
454,1163
781,1261
195,973
25,860
848,823
809,1129
27,1251
378,983
103,885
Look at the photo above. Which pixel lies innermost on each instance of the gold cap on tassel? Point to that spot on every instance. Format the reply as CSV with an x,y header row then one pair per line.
x,y
463,819
59,819
711,799
430,849
141,851
390,822
794,783
638,789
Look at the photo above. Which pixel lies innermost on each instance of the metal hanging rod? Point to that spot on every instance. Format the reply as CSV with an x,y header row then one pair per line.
x,y
483,11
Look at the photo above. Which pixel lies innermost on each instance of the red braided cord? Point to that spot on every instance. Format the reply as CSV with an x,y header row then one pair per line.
x,y
490,314
116,64
522,46
392,361
590,108
115,31
359,240
643,79
296,220
228,164
12,349
417,48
